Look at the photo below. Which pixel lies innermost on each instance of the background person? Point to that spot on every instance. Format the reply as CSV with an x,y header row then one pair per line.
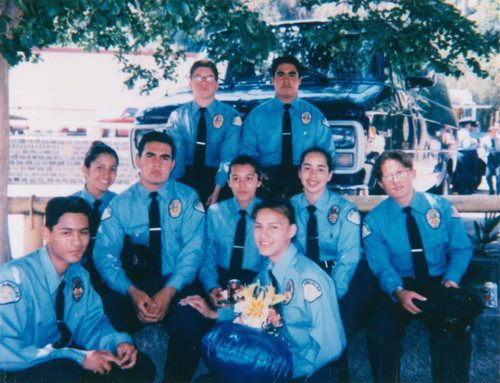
x,y
99,169
53,328
206,133
279,130
415,243
148,251
489,152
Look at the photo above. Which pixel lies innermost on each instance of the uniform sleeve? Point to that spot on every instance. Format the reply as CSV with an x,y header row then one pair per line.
x,y
324,136
378,256
107,250
229,149
175,130
18,350
193,237
248,142
460,247
94,331
208,271
348,250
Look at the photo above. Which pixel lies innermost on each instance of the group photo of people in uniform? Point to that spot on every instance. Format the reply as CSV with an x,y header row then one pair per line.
x,y
221,201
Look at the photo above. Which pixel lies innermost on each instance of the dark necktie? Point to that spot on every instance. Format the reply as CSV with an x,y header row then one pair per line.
x,y
312,235
417,248
94,219
286,146
154,263
201,138
62,327
274,282
236,264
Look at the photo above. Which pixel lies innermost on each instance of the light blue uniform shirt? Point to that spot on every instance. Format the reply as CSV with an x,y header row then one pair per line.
x,y
28,326
222,219
223,134
90,199
312,321
447,246
338,231
182,235
262,132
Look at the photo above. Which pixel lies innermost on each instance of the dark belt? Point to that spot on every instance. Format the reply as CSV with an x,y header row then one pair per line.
x,y
244,276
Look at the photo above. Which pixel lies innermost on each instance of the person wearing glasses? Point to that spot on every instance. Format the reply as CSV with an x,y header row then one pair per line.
x,y
278,131
53,328
206,133
416,244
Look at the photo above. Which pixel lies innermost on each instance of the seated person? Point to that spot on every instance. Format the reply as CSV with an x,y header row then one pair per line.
x,y
313,328
53,327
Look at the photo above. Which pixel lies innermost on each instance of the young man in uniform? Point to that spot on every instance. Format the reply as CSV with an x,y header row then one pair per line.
x,y
279,130
312,324
230,251
416,242
148,251
206,133
53,328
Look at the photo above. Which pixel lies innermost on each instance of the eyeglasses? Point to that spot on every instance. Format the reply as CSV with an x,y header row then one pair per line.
x,y
200,78
401,174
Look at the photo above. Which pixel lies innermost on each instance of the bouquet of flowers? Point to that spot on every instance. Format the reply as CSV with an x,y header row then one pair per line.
x,y
255,306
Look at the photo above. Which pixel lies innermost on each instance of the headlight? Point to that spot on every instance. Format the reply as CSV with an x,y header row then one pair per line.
x,y
344,137
344,160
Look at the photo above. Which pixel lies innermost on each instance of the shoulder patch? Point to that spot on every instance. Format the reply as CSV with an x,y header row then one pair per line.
x,y
333,214
107,213
289,292
9,292
433,218
312,290
353,216
306,118
325,122
366,231
237,121
454,212
198,205
175,208
77,289
218,121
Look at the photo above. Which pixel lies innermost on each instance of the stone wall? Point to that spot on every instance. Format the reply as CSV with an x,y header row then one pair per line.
x,y
59,160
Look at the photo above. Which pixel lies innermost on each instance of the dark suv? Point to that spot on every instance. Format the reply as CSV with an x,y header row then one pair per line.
x,y
369,108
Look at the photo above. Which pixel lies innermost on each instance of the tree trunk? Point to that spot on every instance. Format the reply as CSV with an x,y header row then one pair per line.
x,y
5,254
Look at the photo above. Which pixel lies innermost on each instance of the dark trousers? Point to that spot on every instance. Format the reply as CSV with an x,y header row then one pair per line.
x,y
69,371
185,327
466,174
365,305
282,183
203,181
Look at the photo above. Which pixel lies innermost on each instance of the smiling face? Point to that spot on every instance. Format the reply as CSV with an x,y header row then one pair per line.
x,y
204,85
243,181
67,240
273,233
286,82
314,175
397,181
155,164
100,175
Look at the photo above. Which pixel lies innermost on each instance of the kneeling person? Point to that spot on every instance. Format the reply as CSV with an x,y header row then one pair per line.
x,y
53,324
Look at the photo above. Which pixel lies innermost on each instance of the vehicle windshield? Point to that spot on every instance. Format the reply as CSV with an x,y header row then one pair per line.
x,y
348,58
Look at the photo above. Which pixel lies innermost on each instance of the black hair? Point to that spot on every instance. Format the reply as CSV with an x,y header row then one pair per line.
x,y
317,149
59,206
96,149
288,59
155,136
278,204
396,155
204,64
246,160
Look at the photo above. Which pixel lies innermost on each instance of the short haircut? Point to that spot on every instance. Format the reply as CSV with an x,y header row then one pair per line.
x,y
246,160
96,149
317,149
204,64
288,59
279,205
396,155
155,136
59,206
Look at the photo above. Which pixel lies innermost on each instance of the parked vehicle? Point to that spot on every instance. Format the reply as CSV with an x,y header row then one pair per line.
x,y
18,124
117,122
369,108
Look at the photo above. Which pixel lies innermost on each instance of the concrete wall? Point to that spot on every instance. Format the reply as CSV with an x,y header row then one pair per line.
x,y
59,160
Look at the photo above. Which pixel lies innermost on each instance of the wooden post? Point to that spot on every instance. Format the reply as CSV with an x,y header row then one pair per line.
x,y
32,237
